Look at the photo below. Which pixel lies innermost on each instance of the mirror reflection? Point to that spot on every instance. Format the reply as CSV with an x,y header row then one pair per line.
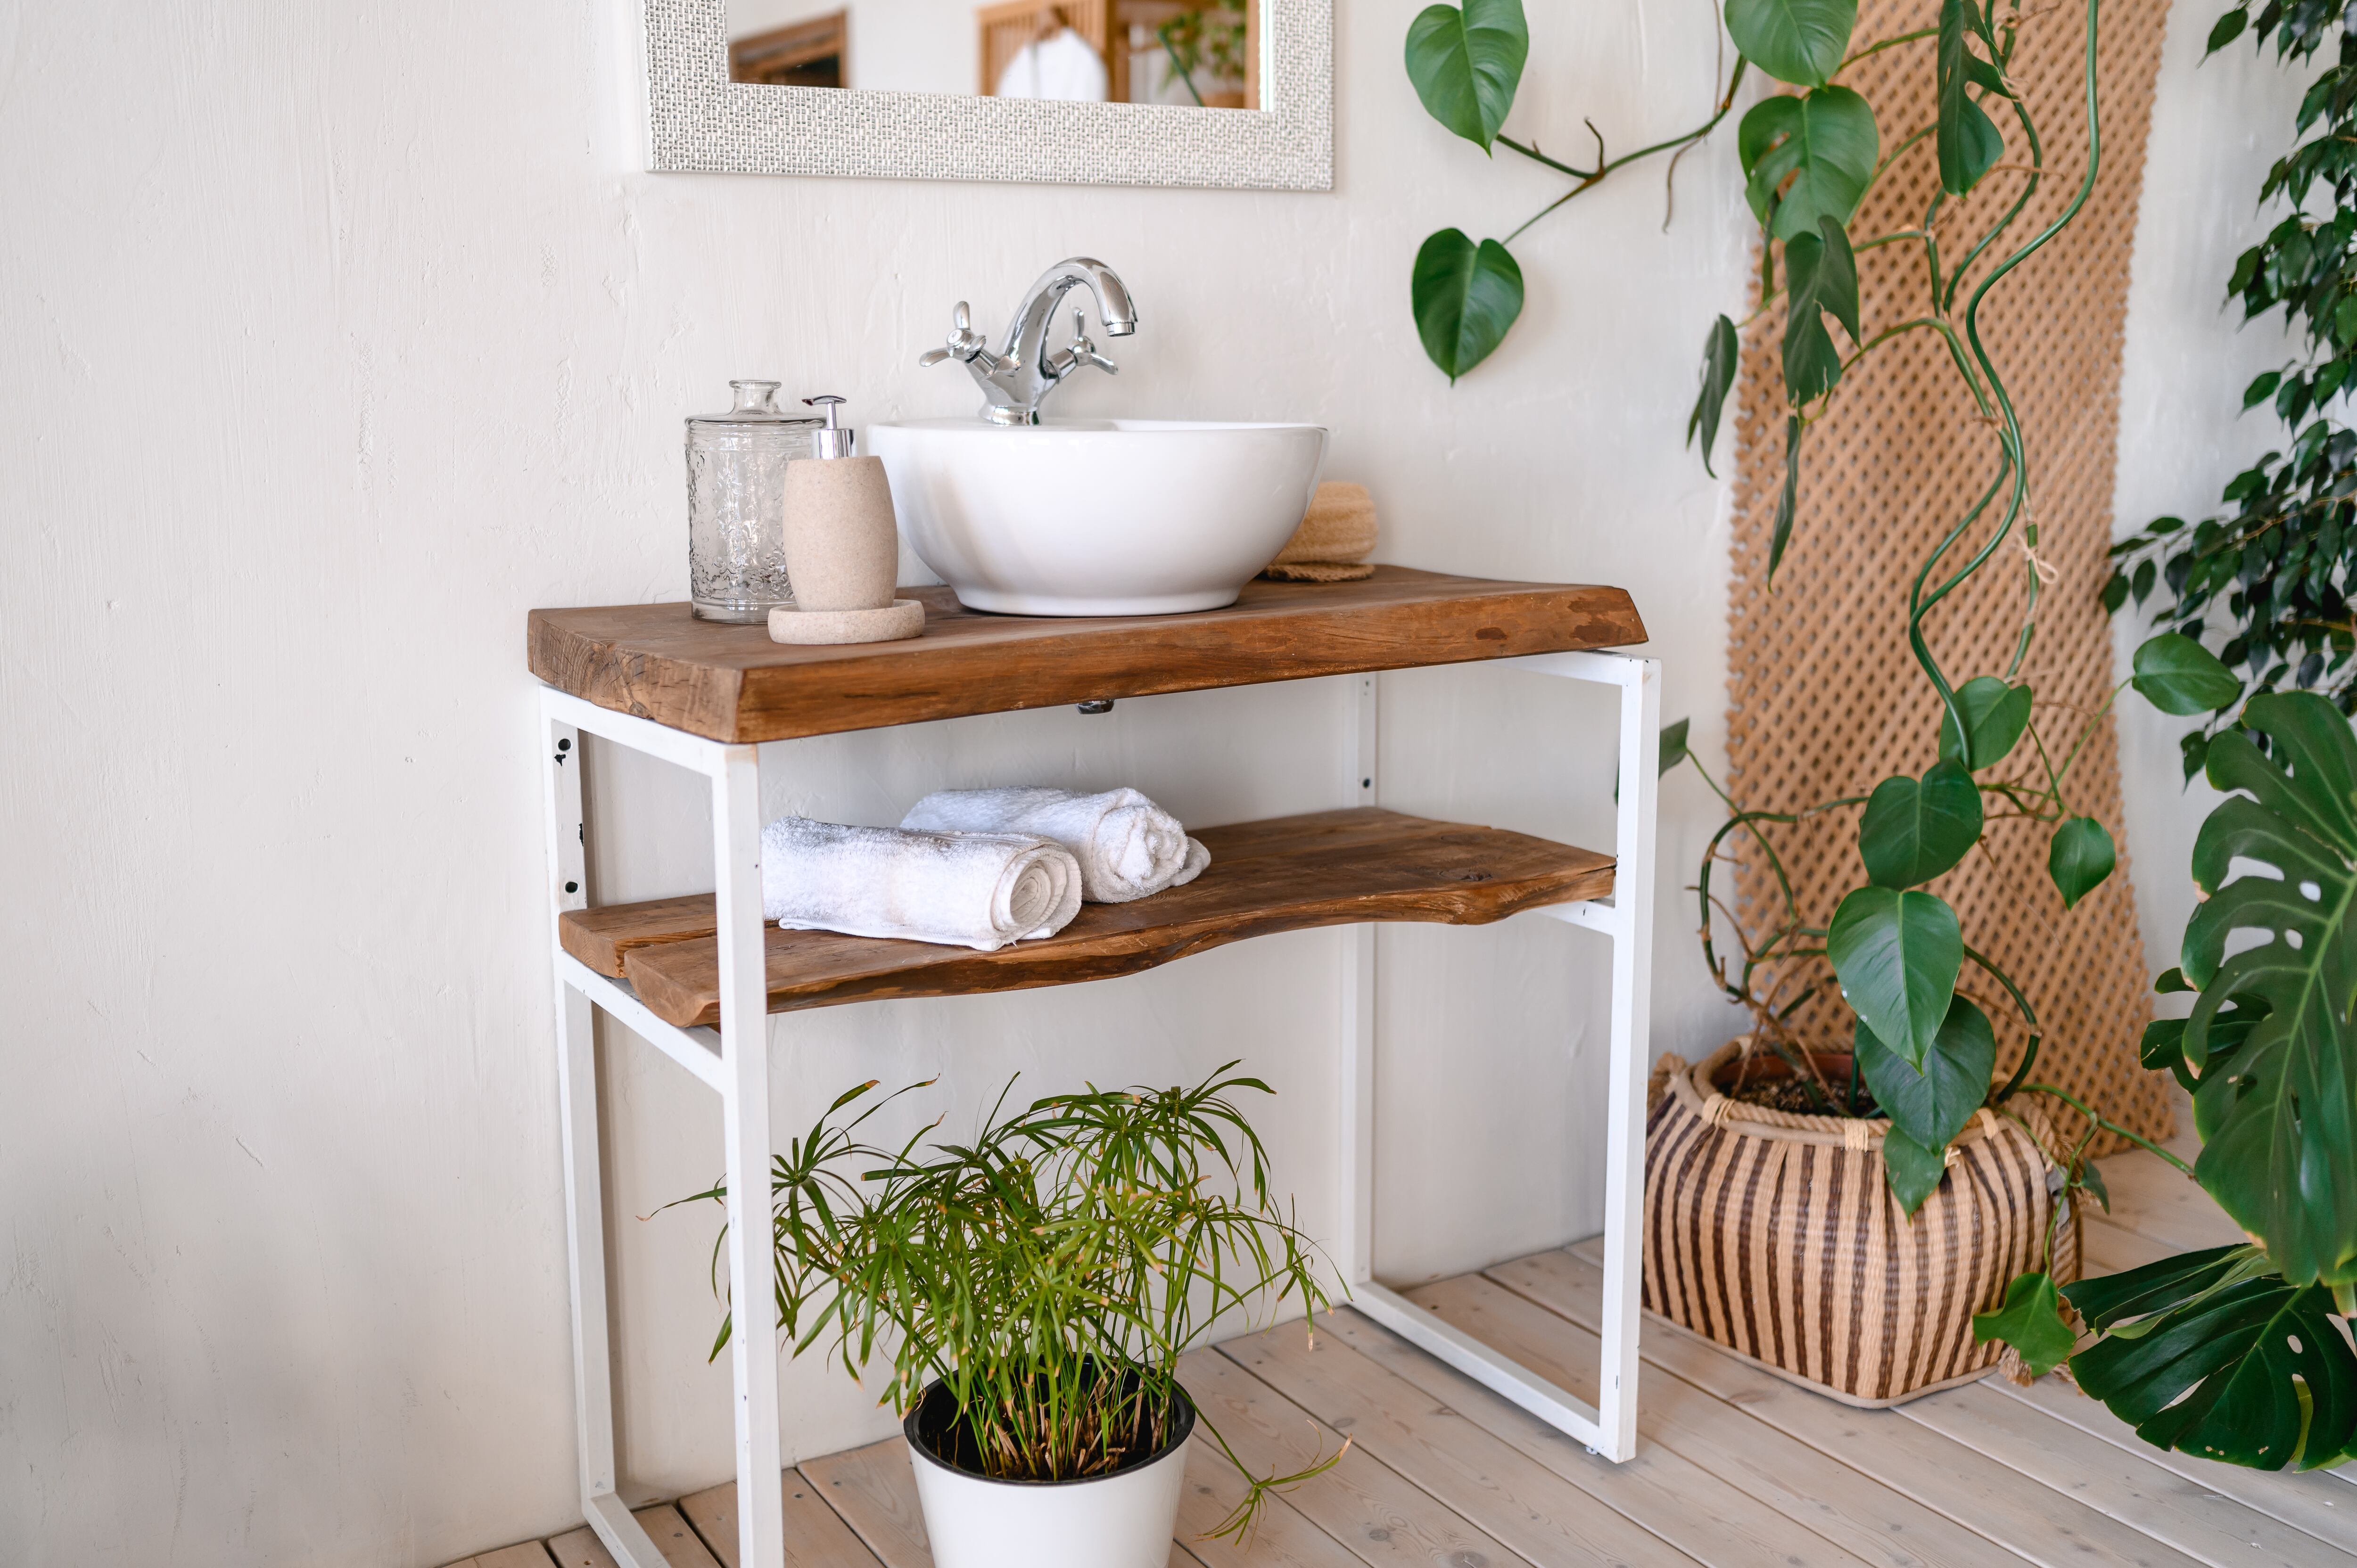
x,y
1186,52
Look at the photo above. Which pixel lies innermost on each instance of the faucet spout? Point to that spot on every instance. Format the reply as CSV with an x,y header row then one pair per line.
x,y
1026,370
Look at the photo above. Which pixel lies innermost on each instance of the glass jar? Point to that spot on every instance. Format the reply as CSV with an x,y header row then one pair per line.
x,y
737,504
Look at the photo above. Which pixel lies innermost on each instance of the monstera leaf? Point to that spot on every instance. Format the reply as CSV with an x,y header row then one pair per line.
x,y
1897,954
1799,41
1465,296
1824,143
1928,1106
1967,142
2277,1114
1995,713
2216,1354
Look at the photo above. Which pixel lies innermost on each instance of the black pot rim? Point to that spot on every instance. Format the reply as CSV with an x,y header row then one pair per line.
x,y
1182,1429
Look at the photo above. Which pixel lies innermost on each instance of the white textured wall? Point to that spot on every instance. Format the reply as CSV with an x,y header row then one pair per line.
x,y
338,337
2217,126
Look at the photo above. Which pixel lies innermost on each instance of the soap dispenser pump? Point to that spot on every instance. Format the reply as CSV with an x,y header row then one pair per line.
x,y
842,548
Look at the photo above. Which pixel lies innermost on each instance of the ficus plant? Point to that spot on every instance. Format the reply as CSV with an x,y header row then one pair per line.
x,y
2271,576
1051,1272
2234,1354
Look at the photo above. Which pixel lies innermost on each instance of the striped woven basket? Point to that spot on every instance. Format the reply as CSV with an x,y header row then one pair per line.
x,y
1776,1236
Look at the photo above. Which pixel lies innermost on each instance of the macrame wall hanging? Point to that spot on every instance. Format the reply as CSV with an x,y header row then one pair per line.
x,y
1824,699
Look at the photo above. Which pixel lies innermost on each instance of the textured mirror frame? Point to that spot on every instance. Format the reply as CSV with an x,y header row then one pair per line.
x,y
699,120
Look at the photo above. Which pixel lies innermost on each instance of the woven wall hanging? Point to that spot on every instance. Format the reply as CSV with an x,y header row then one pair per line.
x,y
1823,698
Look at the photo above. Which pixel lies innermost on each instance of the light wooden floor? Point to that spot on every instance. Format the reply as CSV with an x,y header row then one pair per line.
x,y
1734,1468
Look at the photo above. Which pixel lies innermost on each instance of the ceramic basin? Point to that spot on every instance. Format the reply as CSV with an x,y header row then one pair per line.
x,y
1102,517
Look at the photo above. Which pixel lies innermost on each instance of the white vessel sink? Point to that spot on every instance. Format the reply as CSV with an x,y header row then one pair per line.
x,y
1105,516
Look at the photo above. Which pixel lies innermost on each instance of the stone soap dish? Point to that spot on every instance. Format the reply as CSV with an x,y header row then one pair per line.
x,y
901,619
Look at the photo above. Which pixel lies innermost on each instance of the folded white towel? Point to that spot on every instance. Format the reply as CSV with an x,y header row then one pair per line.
x,y
975,890
1127,846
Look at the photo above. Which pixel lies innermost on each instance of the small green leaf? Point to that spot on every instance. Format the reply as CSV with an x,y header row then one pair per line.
x,y
1722,352
1820,280
2116,593
1995,713
1915,830
1466,64
2092,1181
2227,28
1824,143
1931,1103
2079,858
2178,675
1968,143
1897,955
2259,390
1799,41
2031,1322
1912,1170
1791,494
1465,296
1674,744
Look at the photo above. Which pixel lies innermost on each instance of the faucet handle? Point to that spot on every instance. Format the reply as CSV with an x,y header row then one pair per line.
x,y
964,343
1079,353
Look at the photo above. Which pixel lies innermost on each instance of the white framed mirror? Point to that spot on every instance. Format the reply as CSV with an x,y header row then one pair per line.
x,y
1233,94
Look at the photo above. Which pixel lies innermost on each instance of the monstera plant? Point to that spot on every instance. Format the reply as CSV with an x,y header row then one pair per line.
x,y
2241,1353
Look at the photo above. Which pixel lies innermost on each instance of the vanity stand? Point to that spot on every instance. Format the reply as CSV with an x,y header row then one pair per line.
x,y
704,696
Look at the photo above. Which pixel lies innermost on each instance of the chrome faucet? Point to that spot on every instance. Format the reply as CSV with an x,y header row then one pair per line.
x,y
1016,378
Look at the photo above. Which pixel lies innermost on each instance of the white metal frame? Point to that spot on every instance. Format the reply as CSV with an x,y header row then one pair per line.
x,y
733,1061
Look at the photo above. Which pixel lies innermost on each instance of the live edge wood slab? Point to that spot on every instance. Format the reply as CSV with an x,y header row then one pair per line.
x,y
1328,868
732,683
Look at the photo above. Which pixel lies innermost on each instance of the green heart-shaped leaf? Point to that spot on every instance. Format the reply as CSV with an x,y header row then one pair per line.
x,y
1466,64
1915,830
2079,858
1721,353
1995,713
1799,41
1823,143
1465,296
2031,1322
1674,744
1897,954
1968,143
1820,280
2179,676
1931,1103
1912,1170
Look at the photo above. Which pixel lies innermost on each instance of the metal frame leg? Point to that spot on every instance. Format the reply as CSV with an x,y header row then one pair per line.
x,y
1609,1426
744,1098
585,1192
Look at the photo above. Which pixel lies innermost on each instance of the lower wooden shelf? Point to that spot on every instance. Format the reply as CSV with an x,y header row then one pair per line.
x,y
1327,868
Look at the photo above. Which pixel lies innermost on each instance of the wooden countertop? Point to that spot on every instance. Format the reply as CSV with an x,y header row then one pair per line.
x,y
732,683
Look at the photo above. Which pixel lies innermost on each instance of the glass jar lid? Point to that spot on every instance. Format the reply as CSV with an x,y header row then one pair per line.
x,y
757,404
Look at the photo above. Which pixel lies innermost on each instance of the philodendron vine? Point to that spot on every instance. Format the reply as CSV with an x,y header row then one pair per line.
x,y
2227,1354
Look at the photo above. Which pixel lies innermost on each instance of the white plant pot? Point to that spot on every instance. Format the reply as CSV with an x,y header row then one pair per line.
x,y
1122,1521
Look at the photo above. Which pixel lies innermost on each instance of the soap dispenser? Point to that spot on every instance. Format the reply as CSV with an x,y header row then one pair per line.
x,y
842,548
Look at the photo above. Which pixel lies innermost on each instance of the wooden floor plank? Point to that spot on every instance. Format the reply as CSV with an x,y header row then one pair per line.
x,y
522,1554
1943,1476
875,1491
2160,1203
1280,1536
2312,1501
2108,1249
1527,1503
1820,1493
663,1524
2196,1520
1381,1517
816,1536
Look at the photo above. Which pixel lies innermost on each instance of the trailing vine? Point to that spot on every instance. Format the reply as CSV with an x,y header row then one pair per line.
x,y
2235,1353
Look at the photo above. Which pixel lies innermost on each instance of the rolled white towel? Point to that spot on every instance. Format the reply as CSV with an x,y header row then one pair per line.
x,y
1127,846
975,890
